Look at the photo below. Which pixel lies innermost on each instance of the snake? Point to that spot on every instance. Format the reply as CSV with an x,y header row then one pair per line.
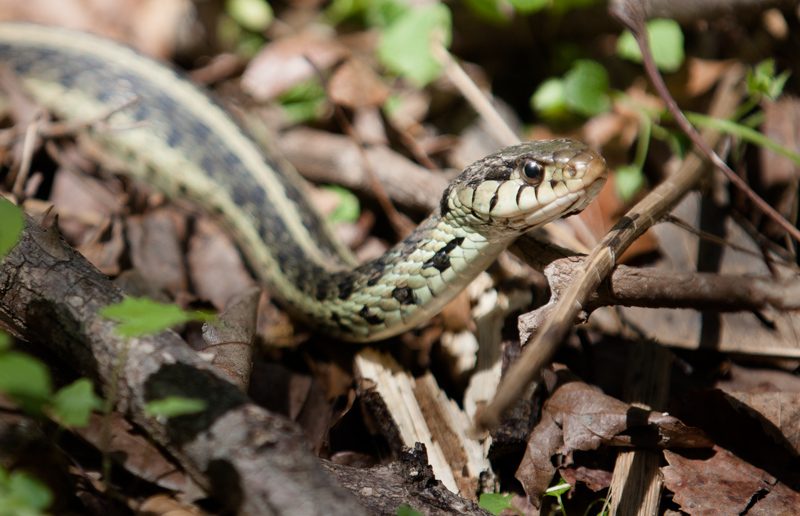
x,y
165,131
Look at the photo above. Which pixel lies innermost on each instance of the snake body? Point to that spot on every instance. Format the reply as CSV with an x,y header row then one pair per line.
x,y
171,134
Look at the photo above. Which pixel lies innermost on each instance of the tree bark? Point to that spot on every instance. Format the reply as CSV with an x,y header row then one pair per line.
x,y
253,461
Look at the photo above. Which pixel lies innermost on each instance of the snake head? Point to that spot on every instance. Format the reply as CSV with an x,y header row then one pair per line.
x,y
525,186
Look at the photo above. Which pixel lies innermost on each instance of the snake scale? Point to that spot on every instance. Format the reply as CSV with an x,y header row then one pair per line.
x,y
169,133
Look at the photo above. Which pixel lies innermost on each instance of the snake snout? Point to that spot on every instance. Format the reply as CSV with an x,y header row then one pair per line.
x,y
590,166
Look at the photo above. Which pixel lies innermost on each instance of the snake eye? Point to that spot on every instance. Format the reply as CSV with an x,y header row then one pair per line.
x,y
533,170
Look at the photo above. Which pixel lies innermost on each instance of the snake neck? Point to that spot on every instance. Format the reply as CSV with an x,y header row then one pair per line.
x,y
404,287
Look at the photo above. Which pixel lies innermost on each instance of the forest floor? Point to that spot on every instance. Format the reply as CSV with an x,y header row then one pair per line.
x,y
668,385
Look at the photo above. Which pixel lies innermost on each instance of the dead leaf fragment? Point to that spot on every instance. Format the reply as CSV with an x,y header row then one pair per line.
x,y
230,337
155,246
156,27
580,417
167,506
105,252
356,85
782,409
213,256
703,74
722,483
118,439
287,62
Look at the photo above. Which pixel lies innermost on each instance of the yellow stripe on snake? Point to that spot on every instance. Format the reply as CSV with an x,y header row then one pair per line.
x,y
170,134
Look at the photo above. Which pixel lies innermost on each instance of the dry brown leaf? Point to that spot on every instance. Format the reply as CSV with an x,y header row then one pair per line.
x,y
782,409
155,247
778,174
781,125
722,483
703,74
105,253
132,451
593,478
163,505
85,198
213,256
755,380
578,416
748,431
355,85
152,26
230,337
299,396
285,63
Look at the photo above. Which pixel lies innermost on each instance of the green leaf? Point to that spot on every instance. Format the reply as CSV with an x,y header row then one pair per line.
x,y
173,406
253,15
561,6
11,226
347,209
304,101
22,495
529,6
558,489
550,99
374,13
407,510
382,13
586,88
25,379
405,46
489,10
139,316
762,81
340,10
628,180
495,503
73,403
666,43
5,342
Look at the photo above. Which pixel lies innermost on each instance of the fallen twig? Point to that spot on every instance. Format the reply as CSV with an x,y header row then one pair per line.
x,y
599,263
253,461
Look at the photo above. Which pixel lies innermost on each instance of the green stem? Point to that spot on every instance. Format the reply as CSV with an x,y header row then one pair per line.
x,y
745,133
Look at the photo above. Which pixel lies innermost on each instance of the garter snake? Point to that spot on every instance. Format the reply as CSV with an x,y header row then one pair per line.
x,y
170,134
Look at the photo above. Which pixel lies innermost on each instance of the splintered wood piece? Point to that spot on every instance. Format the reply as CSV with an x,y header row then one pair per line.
x,y
411,411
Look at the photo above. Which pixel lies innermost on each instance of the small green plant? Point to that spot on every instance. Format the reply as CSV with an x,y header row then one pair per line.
x,y
407,510
629,179
174,406
501,11
762,80
556,491
242,25
11,226
22,495
408,34
583,90
253,15
406,46
666,43
139,316
347,209
496,503
604,507
27,381
304,101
